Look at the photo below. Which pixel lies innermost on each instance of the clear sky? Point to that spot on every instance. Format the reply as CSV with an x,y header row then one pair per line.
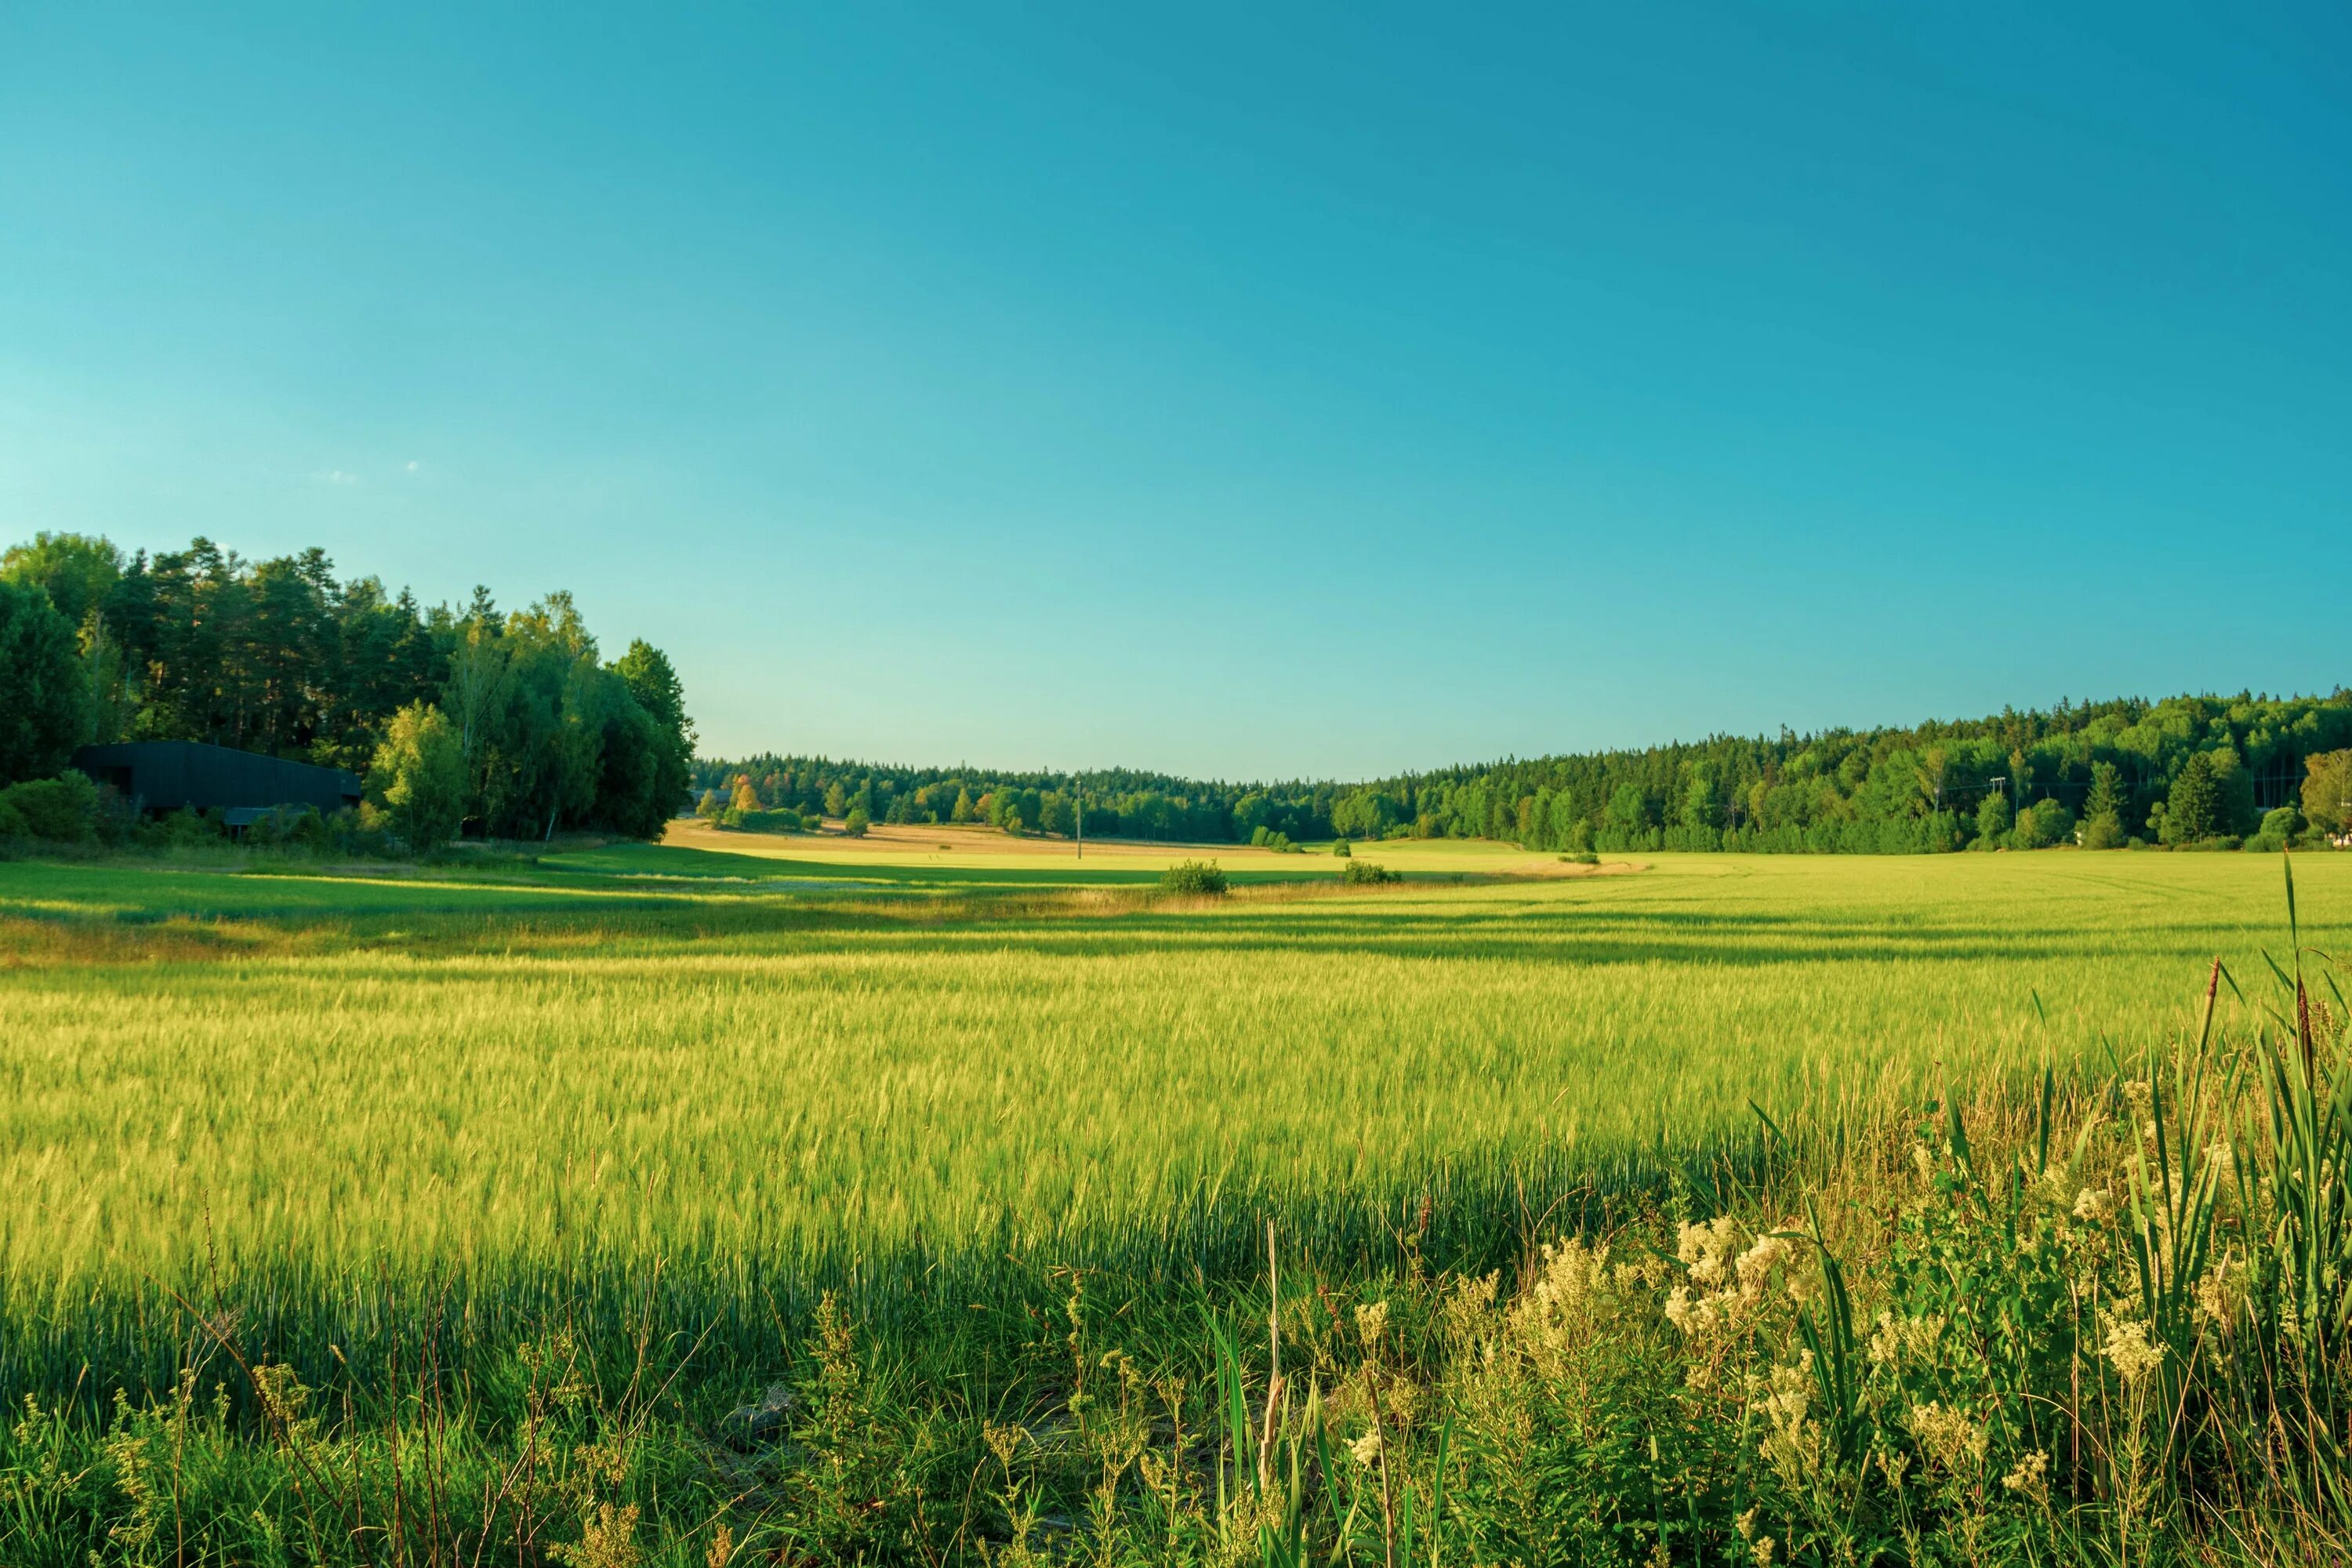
x,y
1240,390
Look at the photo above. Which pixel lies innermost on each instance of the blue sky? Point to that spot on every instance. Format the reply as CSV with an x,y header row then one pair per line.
x,y
1239,390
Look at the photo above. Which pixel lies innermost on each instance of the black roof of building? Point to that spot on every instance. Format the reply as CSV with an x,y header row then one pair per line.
x,y
166,775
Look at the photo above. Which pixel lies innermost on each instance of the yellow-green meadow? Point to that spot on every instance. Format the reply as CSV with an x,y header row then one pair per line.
x,y
610,1050
962,1160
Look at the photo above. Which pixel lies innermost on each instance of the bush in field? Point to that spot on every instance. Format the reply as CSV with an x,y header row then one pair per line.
x,y
1367,873
1193,879
783,819
62,810
859,820
2278,830
1341,849
2103,831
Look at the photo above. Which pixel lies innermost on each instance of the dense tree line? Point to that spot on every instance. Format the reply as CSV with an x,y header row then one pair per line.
x,y
506,723
2115,770
1119,802
2187,770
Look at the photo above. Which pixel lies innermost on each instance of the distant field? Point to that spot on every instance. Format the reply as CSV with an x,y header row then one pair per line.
x,y
791,1051
935,845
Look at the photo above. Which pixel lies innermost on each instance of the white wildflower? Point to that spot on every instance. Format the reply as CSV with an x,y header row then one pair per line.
x,y
2128,1347
1948,1435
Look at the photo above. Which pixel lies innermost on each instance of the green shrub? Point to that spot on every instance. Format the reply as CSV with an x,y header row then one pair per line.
x,y
2278,830
1356,872
1193,878
349,832
62,810
1581,858
859,819
2104,831
185,826
11,821
782,819
1341,849
2042,825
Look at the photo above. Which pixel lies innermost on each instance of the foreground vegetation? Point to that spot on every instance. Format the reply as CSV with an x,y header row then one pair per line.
x,y
640,1205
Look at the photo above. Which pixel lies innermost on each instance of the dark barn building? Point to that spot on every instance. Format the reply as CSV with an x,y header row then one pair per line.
x,y
167,775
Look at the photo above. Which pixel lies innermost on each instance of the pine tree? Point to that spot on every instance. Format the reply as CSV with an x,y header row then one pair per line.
x,y
2103,812
2192,810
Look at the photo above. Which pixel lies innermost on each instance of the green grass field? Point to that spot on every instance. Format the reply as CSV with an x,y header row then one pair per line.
x,y
620,1050
694,1087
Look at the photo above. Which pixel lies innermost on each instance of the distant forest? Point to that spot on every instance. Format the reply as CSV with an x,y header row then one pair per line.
x,y
2207,771
503,723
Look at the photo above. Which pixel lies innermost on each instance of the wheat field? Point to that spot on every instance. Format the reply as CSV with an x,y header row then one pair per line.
x,y
382,1156
639,1054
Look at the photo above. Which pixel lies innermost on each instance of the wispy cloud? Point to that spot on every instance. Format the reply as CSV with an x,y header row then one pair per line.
x,y
337,477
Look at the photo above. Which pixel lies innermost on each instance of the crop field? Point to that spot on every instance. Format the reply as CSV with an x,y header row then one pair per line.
x,y
684,1090
748,1060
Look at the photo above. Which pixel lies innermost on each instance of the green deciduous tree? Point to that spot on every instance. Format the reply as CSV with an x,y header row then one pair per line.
x,y
417,777
655,684
1994,821
2327,791
1702,803
1629,810
43,685
2042,826
76,571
